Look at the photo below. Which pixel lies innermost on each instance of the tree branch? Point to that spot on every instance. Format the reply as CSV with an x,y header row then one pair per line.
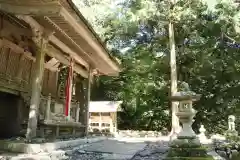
x,y
233,40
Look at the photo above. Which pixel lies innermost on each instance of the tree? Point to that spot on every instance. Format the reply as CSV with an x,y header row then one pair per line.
x,y
207,43
96,11
173,68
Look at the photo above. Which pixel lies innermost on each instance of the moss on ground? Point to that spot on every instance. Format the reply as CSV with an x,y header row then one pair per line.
x,y
236,157
187,152
190,158
187,149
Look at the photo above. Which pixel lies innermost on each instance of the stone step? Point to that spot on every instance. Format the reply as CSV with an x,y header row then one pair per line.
x,y
21,147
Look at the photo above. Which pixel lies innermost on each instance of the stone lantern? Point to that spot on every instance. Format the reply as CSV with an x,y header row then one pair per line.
x,y
202,137
231,123
185,111
231,126
187,145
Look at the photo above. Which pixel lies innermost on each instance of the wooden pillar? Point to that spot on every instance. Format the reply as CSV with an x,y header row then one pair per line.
x,y
88,101
115,122
80,96
111,121
48,108
89,122
41,42
100,121
77,112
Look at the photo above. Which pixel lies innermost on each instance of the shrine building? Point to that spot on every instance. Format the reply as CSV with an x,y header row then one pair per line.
x,y
48,58
103,116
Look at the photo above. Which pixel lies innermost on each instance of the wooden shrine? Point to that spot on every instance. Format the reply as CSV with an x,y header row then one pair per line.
x,y
39,40
103,117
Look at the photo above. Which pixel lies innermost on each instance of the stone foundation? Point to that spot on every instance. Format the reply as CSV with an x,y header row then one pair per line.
x,y
131,133
187,149
21,147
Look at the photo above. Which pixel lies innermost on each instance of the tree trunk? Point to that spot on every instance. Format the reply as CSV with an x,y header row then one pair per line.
x,y
173,67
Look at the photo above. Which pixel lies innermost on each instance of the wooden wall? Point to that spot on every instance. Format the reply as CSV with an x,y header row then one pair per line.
x,y
17,58
16,69
50,83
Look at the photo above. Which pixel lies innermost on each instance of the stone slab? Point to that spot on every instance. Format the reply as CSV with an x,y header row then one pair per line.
x,y
31,158
117,157
20,147
114,149
215,156
139,139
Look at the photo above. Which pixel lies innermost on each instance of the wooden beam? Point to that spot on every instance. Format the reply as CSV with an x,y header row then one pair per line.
x,y
17,49
53,52
66,49
45,9
52,64
35,25
89,37
54,8
63,47
9,89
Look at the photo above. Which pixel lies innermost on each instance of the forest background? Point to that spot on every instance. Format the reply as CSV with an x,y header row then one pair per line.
x,y
207,37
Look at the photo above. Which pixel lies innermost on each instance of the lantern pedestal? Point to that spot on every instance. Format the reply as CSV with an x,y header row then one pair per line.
x,y
187,146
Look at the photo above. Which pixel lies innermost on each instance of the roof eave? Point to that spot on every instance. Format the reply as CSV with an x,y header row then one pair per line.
x,y
74,7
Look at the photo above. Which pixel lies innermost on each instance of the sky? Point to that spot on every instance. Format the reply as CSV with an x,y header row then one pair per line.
x,y
211,3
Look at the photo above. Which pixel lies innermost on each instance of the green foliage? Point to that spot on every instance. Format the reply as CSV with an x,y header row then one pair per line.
x,y
184,150
233,138
208,56
236,157
189,148
187,152
189,158
185,143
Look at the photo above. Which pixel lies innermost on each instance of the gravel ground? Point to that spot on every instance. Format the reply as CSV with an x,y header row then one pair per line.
x,y
80,154
153,151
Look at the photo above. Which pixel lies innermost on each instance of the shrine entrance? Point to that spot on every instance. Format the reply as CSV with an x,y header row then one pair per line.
x,y
10,125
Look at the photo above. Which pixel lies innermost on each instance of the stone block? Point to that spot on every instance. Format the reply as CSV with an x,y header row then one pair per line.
x,y
31,157
222,154
45,147
187,149
187,152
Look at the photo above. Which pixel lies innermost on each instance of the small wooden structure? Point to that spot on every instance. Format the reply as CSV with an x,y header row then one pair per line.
x,y
103,116
39,39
